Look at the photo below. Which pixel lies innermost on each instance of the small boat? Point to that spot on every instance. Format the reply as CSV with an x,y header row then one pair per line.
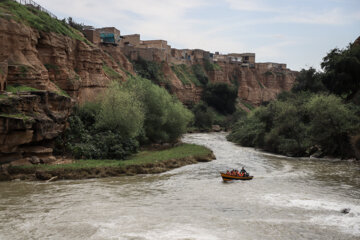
x,y
227,177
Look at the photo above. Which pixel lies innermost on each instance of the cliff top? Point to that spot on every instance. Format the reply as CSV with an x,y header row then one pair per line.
x,y
42,21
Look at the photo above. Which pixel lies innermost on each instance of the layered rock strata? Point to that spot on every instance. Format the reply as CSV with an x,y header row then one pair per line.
x,y
29,122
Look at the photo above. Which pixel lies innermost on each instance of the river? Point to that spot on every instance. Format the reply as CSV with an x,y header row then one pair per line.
x,y
287,199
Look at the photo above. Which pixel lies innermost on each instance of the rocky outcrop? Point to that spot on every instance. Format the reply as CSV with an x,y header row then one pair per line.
x,y
29,122
49,61
255,84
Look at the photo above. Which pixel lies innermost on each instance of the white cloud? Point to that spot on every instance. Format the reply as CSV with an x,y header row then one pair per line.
x,y
213,25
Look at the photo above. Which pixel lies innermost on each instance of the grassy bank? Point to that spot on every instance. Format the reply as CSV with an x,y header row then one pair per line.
x,y
141,163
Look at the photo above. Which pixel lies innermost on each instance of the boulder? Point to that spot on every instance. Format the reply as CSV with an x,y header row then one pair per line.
x,y
216,128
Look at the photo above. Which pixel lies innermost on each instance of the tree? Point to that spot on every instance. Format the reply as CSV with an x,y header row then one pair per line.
x,y
166,118
120,110
331,123
221,96
342,71
308,80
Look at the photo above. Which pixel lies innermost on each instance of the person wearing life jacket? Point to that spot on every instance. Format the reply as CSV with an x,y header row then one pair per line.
x,y
243,170
227,172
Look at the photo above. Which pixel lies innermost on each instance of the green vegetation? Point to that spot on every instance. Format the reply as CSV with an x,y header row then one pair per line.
x,y
127,114
111,73
203,116
120,110
166,119
200,74
145,157
248,105
194,74
295,124
210,66
38,19
19,88
318,116
18,116
342,71
151,70
185,74
221,96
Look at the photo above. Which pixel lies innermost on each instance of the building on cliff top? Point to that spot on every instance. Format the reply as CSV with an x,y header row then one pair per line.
x,y
109,35
91,34
245,59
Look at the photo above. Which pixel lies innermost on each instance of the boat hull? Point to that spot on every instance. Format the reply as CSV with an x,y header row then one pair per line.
x,y
227,177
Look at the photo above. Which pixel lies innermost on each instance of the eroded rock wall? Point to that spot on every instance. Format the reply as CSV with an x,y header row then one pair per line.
x,y
49,61
29,122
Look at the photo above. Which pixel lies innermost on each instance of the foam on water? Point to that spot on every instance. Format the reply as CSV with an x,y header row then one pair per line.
x,y
322,212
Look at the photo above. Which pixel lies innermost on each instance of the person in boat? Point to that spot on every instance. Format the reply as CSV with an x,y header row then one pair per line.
x,y
244,172
227,172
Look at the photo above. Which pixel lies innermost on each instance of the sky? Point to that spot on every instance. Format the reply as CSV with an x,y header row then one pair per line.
x,y
296,32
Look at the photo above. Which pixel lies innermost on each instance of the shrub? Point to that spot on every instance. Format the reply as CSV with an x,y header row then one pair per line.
x,y
82,139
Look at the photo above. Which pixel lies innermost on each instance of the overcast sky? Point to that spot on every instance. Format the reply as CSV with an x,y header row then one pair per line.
x,y
296,32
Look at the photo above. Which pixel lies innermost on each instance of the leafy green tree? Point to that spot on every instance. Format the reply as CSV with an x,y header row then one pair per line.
x,y
342,71
309,80
221,96
120,110
331,123
166,118
204,117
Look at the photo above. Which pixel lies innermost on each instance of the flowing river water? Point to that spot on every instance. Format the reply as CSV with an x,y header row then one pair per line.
x,y
287,199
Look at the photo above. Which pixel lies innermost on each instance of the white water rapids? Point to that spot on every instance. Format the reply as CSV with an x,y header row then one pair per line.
x,y
287,199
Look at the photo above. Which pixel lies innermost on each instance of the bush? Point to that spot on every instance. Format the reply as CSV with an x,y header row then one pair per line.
x,y
83,140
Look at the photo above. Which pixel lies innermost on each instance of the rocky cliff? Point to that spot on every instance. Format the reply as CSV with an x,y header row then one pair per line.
x,y
29,122
48,61
56,58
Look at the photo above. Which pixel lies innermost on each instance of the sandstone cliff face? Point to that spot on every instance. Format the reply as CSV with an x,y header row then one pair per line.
x,y
255,85
48,61
29,122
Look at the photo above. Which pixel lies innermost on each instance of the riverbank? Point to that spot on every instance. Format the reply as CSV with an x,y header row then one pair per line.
x,y
145,162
